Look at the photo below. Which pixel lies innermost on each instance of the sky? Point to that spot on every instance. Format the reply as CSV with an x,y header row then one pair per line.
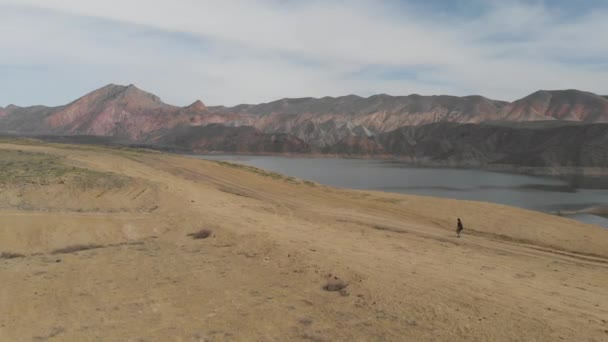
x,y
229,52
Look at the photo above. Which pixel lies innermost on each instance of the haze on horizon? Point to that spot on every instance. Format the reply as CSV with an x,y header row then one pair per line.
x,y
230,52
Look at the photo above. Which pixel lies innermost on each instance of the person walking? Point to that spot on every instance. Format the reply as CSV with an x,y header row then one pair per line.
x,y
459,228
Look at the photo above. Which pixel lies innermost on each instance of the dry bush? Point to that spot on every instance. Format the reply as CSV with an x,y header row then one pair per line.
x,y
201,234
9,255
75,248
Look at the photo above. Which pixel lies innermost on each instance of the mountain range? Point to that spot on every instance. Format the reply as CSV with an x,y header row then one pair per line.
x,y
546,128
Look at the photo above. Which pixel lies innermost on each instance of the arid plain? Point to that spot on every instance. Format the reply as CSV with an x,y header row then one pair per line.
x,y
95,247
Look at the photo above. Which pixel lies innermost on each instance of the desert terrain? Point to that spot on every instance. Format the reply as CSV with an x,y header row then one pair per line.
x,y
116,244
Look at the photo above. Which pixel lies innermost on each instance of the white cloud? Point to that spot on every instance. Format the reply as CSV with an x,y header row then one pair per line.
x,y
228,52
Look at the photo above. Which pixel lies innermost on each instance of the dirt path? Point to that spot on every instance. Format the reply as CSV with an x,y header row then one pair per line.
x,y
515,275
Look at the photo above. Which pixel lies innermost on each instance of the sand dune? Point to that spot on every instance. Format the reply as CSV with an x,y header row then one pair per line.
x,y
98,250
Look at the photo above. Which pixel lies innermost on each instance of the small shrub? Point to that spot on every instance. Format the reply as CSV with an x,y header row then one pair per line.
x,y
75,248
9,255
201,234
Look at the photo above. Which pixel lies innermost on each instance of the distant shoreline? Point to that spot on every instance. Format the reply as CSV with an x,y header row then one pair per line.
x,y
568,173
582,175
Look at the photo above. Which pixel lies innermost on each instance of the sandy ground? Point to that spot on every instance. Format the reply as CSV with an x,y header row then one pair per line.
x,y
515,275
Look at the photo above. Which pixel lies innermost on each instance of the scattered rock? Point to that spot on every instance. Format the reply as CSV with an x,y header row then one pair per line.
x,y
305,321
201,234
335,284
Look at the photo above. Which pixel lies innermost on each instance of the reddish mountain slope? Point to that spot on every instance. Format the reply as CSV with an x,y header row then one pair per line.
x,y
114,110
378,113
327,121
126,111
346,122
573,105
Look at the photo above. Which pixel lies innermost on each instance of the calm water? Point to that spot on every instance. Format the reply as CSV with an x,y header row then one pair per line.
x,y
530,192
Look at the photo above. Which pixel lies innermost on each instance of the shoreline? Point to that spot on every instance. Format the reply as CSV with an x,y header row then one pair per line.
x,y
598,210
570,174
586,177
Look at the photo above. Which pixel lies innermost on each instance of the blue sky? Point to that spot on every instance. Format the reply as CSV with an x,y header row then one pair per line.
x,y
230,52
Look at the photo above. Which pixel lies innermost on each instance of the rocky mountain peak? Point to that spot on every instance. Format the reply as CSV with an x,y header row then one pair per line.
x,y
198,105
570,104
126,94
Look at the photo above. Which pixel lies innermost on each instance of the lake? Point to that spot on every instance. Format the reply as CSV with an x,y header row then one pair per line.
x,y
544,194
